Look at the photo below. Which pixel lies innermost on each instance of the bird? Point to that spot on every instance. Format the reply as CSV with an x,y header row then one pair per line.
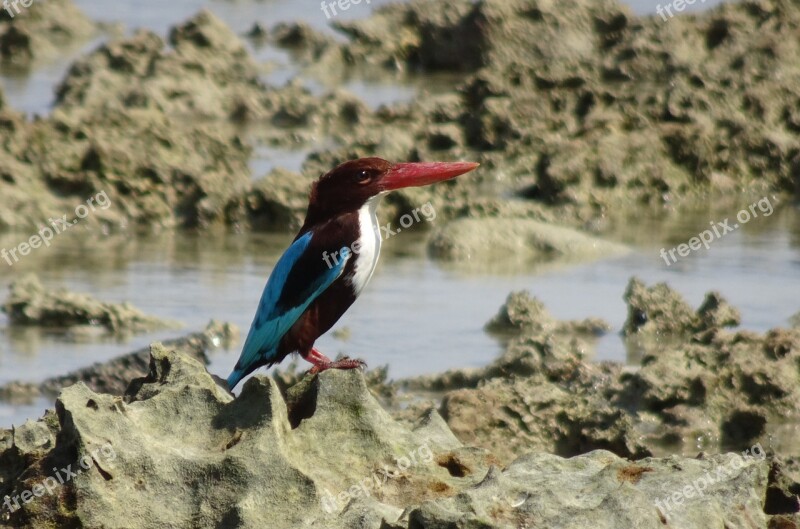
x,y
329,262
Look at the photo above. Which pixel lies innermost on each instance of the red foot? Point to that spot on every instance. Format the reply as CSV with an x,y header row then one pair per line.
x,y
322,362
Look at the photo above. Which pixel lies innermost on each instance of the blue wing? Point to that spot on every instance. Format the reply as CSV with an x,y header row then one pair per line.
x,y
296,281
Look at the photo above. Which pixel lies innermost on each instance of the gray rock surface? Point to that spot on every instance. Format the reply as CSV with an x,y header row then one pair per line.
x,y
243,462
697,387
329,456
29,35
523,313
483,241
30,303
114,375
659,310
601,490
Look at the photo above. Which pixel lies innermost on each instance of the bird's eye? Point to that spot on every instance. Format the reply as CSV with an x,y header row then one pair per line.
x,y
364,177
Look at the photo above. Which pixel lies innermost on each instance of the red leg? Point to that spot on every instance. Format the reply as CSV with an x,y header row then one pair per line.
x,y
316,357
322,362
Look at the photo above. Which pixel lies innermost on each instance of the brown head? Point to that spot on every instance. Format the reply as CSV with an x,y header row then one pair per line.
x,y
350,185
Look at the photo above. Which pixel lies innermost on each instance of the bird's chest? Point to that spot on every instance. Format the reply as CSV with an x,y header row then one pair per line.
x,y
366,249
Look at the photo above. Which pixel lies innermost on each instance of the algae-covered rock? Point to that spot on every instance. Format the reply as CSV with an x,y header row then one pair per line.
x,y
30,303
40,30
114,375
524,313
600,489
498,240
659,310
331,458
243,463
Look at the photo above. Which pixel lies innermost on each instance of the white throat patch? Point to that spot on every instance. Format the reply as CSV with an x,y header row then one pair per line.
x,y
370,244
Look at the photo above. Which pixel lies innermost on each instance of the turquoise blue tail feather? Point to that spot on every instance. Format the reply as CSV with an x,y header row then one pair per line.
x,y
282,303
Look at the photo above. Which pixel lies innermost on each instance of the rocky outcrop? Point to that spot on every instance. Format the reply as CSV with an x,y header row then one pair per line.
x,y
158,126
523,313
660,311
707,387
329,456
30,303
40,30
114,376
272,203
510,417
475,242
601,490
244,462
540,394
698,387
586,107
584,111
537,344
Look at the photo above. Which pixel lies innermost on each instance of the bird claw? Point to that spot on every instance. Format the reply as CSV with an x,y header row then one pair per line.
x,y
343,363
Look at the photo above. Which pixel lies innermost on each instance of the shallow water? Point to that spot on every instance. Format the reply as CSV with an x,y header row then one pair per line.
x,y
417,316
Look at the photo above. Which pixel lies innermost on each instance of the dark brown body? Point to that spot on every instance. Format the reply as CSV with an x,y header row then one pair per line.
x,y
325,311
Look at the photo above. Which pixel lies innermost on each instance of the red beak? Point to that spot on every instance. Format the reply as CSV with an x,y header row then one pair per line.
x,y
421,174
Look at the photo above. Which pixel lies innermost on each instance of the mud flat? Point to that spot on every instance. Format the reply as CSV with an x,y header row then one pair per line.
x,y
700,386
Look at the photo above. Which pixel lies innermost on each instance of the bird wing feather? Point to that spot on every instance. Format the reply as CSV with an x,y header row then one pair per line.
x,y
299,277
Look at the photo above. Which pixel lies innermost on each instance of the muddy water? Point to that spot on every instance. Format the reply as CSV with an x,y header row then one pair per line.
x,y
417,316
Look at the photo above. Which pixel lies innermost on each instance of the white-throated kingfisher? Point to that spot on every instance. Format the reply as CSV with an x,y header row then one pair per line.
x,y
329,262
